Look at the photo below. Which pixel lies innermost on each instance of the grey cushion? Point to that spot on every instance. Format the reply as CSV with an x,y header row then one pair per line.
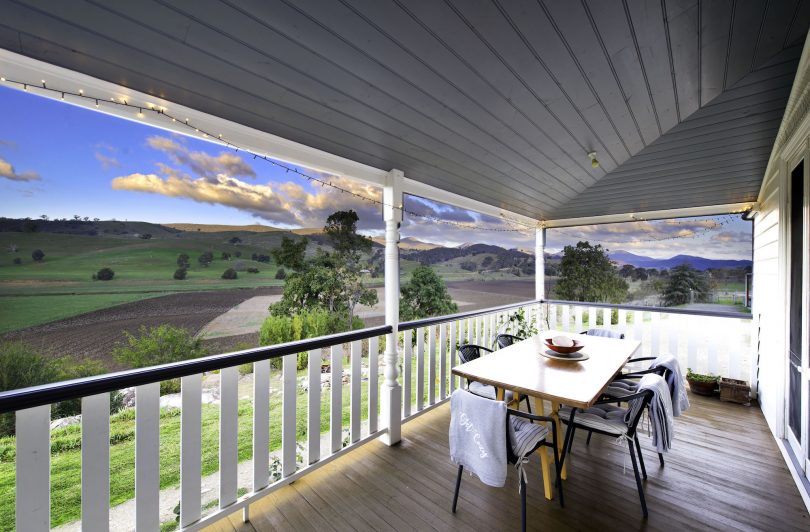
x,y
485,390
607,333
607,418
525,435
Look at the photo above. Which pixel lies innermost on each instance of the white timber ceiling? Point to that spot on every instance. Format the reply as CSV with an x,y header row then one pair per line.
x,y
496,100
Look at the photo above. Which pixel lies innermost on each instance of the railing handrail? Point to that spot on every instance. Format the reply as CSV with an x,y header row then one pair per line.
x,y
665,310
425,322
45,394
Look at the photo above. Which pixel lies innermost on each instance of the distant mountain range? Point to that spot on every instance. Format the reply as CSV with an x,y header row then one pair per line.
x,y
699,263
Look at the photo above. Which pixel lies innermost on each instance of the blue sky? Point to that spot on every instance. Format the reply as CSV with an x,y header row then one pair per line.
x,y
61,160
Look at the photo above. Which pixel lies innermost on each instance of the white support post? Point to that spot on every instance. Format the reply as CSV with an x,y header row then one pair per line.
x,y
540,263
391,391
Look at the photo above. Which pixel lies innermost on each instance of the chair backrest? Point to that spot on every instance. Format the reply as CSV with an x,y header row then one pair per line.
x,y
505,340
469,352
637,406
607,333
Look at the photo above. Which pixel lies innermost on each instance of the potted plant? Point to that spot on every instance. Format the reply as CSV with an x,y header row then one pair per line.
x,y
701,384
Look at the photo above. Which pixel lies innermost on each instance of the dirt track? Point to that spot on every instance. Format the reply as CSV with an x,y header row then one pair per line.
x,y
94,334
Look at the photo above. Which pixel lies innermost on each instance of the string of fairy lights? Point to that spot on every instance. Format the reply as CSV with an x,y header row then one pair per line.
x,y
515,226
323,182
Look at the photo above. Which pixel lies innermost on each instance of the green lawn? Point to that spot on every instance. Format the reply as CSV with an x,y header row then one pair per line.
x,y
17,312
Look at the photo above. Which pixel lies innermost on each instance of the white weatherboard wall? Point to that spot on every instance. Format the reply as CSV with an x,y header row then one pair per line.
x,y
770,249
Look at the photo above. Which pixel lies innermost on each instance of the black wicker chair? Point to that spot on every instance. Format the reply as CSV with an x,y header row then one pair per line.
x,y
607,333
512,458
505,340
595,419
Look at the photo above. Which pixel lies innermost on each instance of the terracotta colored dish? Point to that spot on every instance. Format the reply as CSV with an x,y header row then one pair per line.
x,y
564,350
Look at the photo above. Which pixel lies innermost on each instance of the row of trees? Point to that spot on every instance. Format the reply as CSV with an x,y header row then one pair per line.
x,y
586,273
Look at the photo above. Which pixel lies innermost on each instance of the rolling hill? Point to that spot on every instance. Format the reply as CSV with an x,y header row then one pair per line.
x,y
699,263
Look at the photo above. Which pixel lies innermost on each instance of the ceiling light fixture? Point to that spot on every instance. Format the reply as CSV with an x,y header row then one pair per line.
x,y
594,160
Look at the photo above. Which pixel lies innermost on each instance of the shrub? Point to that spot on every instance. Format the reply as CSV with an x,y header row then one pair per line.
x,y
225,256
37,255
469,265
145,236
17,260
230,273
205,259
281,274
180,273
253,270
237,253
158,345
105,274
183,260
235,240
21,366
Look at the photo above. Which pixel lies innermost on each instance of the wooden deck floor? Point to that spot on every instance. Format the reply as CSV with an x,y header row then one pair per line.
x,y
725,472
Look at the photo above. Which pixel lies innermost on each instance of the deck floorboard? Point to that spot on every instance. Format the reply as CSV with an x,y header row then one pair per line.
x,y
725,472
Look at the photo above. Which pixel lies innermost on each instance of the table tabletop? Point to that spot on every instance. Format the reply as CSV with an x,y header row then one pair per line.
x,y
522,368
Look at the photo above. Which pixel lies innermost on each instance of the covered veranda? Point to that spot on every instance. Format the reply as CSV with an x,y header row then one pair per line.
x,y
545,115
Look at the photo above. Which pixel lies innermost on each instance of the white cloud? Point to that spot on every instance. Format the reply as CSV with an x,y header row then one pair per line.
x,y
7,171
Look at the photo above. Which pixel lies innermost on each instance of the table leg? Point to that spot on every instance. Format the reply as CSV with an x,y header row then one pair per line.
x,y
555,413
543,452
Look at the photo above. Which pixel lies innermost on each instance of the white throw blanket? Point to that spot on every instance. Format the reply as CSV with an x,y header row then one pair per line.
x,y
680,401
660,411
478,436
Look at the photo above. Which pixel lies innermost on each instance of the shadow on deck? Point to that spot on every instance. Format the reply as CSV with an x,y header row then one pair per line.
x,y
724,472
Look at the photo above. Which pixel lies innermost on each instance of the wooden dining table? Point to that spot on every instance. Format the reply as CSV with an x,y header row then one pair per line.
x,y
524,370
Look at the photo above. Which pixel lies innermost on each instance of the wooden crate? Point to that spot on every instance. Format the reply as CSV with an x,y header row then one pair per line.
x,y
735,391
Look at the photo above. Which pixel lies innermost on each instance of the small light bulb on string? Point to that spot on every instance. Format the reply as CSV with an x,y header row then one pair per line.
x,y
25,87
62,97
2,79
140,113
594,160
96,104
81,92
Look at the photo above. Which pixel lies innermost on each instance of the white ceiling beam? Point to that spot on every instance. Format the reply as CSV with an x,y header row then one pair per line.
x,y
709,210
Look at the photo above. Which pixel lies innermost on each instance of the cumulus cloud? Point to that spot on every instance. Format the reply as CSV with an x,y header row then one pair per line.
x,y
7,171
200,162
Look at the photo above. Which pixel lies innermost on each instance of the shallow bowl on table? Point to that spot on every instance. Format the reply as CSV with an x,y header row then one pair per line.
x,y
564,349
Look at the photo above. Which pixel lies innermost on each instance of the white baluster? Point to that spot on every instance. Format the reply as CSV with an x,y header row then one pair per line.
x,y
355,389
470,327
714,361
407,364
431,364
33,479
638,328
96,462
593,317
452,352
289,437
336,406
735,348
622,326
147,457
314,405
261,424
566,318
373,378
606,318
552,316
442,361
655,320
420,369
692,351
190,448
578,319
228,434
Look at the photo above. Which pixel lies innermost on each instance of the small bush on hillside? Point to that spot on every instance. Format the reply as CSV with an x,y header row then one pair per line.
x,y
469,265
225,255
230,273
37,255
205,259
235,240
145,236
180,273
281,274
237,253
158,345
105,274
18,260
183,260
253,270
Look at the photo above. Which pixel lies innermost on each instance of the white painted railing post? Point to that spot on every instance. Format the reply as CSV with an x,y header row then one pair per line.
x,y
391,393
33,478
539,263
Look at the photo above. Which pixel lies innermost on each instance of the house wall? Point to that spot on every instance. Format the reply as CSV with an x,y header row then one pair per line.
x,y
771,266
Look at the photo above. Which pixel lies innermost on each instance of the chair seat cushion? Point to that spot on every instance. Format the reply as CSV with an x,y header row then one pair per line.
x,y
485,390
526,435
607,418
